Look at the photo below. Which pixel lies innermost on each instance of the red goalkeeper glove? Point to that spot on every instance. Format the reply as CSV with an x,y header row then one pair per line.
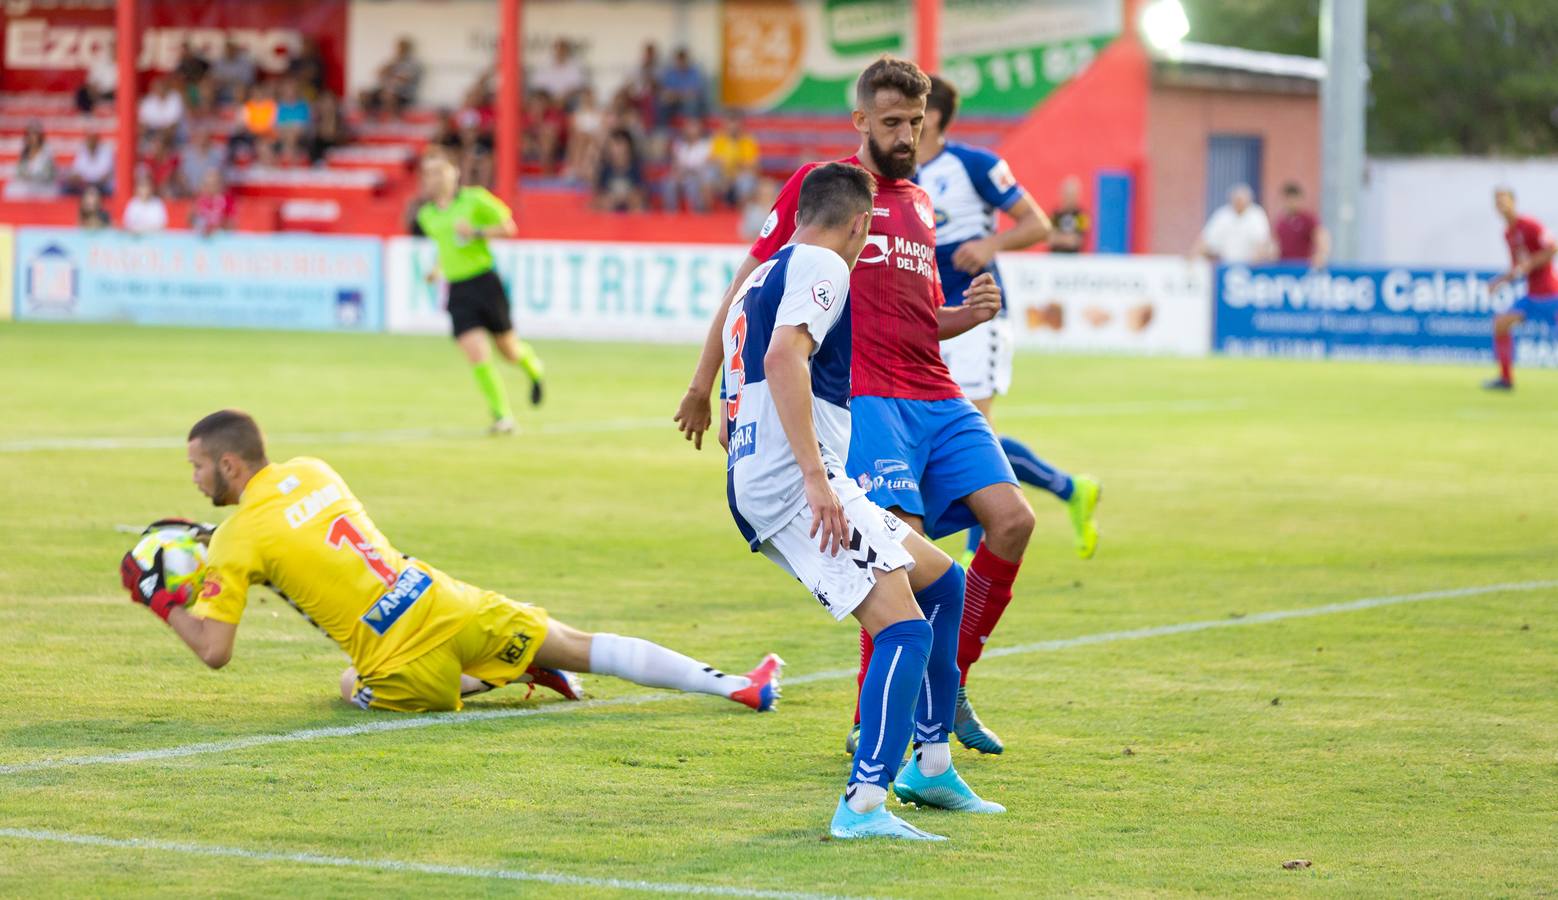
x,y
147,587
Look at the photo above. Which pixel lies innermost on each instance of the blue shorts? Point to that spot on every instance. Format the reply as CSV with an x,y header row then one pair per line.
x,y
1538,309
924,457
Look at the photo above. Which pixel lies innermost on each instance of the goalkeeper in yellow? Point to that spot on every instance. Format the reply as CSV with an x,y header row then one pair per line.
x,y
419,640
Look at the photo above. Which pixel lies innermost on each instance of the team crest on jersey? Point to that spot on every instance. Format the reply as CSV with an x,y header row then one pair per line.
x,y
926,214
824,294
1001,176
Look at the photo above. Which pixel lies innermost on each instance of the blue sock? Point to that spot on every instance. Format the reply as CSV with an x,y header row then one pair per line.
x,y
942,603
887,699
1032,470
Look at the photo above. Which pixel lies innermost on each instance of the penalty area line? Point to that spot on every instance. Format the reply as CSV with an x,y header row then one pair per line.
x,y
436,719
396,865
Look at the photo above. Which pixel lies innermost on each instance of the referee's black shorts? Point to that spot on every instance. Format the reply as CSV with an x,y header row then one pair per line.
x,y
479,302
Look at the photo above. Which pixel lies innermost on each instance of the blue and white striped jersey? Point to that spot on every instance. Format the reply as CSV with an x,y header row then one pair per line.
x,y
968,186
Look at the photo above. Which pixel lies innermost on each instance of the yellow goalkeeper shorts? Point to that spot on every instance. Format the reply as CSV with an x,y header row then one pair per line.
x,y
497,645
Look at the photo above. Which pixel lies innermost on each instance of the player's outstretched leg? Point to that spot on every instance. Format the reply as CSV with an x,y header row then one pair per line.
x,y
649,664
1008,521
1504,351
1080,493
929,778
903,644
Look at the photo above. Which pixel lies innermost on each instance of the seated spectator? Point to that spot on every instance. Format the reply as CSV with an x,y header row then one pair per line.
x,y
161,111
563,78
735,156
233,74
90,214
93,166
1071,222
585,131
193,72
399,81
619,183
544,128
474,150
145,213
688,179
683,90
329,129
292,120
641,91
213,208
754,212
36,177
255,136
162,166
201,157
307,68
101,82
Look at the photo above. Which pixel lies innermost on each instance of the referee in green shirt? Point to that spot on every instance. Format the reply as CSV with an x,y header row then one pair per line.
x,y
459,221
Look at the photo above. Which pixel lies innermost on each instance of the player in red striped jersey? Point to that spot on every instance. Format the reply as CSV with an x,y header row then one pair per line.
x,y
1531,249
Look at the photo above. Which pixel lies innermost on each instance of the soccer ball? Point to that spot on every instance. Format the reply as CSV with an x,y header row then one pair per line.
x,y
183,554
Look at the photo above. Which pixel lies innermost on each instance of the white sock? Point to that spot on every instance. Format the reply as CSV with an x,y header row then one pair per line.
x,y
933,759
652,665
862,797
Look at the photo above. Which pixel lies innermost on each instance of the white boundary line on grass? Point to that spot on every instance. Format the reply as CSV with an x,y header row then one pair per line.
x,y
436,719
173,442
396,865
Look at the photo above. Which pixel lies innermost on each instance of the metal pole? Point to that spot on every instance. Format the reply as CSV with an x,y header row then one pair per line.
x,y
928,34
1343,28
127,32
507,139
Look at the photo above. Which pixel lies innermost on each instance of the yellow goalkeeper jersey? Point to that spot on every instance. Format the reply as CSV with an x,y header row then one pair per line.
x,y
300,531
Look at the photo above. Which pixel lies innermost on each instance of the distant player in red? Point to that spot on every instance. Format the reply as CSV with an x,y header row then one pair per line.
x,y
1531,249
918,446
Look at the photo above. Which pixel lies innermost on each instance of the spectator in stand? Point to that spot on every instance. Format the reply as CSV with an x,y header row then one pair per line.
x,y
255,136
619,184
36,177
307,68
642,88
586,128
399,81
213,208
691,169
755,211
101,82
563,78
93,166
161,111
233,74
736,155
1070,223
545,128
1301,239
1237,232
193,72
200,158
329,130
474,151
145,213
292,120
90,214
162,166
683,89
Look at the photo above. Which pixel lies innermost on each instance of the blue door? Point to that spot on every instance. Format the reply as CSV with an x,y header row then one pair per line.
x,y
1231,159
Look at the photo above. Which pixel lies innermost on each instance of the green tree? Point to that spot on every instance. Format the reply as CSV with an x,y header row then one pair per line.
x,y
1447,76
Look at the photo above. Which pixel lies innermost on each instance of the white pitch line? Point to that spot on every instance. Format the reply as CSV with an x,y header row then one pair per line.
x,y
430,720
34,445
397,865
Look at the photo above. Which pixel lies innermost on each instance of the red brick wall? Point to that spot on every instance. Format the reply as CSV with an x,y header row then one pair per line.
x,y
1179,122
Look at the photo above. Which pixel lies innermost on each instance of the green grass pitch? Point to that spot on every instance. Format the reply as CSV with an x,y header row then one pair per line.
x,y
1404,750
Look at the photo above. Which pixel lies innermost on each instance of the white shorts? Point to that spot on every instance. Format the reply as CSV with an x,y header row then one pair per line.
x,y
840,583
980,359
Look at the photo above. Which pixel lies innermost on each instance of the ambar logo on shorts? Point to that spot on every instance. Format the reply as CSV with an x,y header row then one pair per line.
x,y
388,609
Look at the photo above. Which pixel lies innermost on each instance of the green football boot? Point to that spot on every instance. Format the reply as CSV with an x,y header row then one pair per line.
x,y
1083,508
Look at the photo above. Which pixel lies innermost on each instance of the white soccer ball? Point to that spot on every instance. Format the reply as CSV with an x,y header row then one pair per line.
x,y
183,555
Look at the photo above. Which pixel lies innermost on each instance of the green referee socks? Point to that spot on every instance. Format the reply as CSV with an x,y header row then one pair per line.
x,y
530,361
491,384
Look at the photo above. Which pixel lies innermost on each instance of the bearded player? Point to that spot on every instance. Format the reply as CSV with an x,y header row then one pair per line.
x,y
969,186
419,640
918,446
1531,249
787,345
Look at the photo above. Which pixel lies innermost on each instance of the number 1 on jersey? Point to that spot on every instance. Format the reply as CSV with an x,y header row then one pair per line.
x,y
343,532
